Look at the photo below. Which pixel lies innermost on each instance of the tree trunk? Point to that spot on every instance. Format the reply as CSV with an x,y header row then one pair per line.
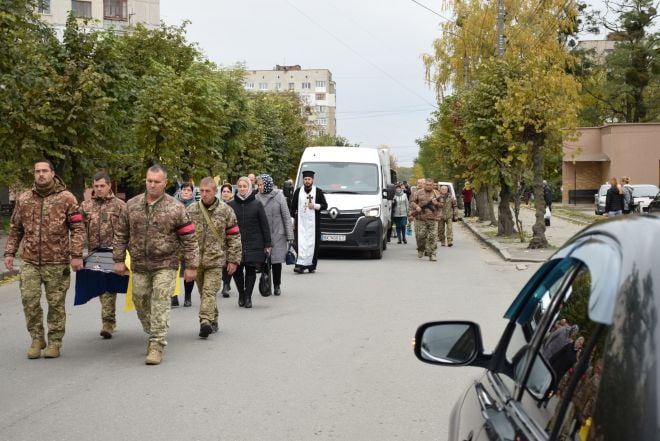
x,y
505,219
538,230
516,213
482,204
491,206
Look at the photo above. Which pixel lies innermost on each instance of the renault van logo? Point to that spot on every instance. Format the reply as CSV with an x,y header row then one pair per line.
x,y
333,213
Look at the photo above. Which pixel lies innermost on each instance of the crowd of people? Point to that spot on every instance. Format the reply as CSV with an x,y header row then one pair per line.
x,y
619,198
209,234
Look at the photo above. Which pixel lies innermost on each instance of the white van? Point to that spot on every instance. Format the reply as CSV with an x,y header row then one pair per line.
x,y
357,184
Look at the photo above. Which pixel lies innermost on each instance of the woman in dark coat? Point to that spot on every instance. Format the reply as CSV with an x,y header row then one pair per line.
x,y
255,239
614,199
281,228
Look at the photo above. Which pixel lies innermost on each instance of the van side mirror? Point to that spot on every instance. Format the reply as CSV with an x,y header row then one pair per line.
x,y
450,343
541,375
389,191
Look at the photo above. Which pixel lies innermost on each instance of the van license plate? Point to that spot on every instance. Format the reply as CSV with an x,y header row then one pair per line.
x,y
333,237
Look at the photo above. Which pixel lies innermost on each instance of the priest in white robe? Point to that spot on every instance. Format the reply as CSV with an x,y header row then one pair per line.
x,y
306,206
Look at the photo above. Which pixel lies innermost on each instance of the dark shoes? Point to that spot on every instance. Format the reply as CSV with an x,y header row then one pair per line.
x,y
175,301
187,303
248,302
312,270
205,329
277,291
450,244
225,290
215,327
298,269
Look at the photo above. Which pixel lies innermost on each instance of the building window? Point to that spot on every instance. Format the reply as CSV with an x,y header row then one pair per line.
x,y
320,84
320,96
320,109
44,7
322,121
292,86
115,9
263,86
278,86
306,85
81,9
249,85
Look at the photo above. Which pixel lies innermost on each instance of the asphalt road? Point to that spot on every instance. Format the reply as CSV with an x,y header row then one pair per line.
x,y
329,359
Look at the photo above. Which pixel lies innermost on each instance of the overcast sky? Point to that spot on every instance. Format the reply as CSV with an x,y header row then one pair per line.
x,y
373,49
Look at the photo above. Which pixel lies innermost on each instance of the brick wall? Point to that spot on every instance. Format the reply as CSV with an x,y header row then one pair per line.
x,y
589,176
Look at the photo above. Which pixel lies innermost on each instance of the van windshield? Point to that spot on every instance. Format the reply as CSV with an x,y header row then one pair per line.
x,y
343,177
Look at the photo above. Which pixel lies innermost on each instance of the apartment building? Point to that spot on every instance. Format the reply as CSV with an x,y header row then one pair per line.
x,y
315,88
117,14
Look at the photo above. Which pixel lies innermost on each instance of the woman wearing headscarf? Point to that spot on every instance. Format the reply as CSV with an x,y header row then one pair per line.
x,y
186,196
281,228
226,194
255,239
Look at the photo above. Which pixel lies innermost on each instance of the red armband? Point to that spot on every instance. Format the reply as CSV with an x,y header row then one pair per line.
x,y
232,230
187,228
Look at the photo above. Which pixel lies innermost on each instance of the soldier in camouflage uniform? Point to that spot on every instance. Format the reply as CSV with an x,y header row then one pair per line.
x,y
420,186
447,213
157,231
219,244
45,216
101,215
423,207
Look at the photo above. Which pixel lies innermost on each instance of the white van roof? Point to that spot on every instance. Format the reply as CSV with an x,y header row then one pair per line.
x,y
340,154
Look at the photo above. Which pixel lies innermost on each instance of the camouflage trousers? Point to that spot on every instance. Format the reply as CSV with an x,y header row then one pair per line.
x,y
426,237
108,307
152,294
208,284
56,280
442,224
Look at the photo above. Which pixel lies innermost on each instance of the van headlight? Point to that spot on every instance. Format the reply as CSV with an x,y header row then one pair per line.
x,y
371,211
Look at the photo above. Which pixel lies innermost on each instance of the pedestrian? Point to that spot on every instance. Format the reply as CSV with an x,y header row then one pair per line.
x,y
525,193
628,197
447,213
253,183
187,198
423,207
614,199
547,195
468,195
558,339
406,189
281,228
306,206
157,231
101,215
255,239
226,194
46,219
219,241
401,208
411,218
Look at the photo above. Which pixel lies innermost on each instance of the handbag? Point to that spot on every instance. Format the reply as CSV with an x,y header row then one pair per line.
x,y
100,259
291,255
265,287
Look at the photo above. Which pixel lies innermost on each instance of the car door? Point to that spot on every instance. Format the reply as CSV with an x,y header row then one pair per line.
x,y
537,391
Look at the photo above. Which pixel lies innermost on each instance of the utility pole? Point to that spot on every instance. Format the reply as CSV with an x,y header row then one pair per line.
x,y
500,28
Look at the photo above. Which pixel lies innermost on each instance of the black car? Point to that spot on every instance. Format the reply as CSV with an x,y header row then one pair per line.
x,y
654,206
578,359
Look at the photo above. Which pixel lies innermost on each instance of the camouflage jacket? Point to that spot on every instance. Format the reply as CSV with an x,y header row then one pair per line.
x,y
156,235
44,223
101,216
421,198
214,253
448,208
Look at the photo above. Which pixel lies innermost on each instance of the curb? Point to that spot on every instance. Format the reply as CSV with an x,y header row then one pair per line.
x,y
495,246
566,218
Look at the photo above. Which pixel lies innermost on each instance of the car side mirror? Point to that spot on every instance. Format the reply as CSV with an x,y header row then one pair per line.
x,y
389,191
540,377
449,343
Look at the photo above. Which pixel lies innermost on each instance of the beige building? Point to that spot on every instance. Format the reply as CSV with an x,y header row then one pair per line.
x,y
314,87
613,150
117,14
601,48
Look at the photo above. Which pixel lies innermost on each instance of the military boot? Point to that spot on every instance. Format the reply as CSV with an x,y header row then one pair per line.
x,y
205,329
433,258
154,355
52,351
107,330
420,254
35,348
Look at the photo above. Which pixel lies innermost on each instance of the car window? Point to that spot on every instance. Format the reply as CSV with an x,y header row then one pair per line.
x,y
644,191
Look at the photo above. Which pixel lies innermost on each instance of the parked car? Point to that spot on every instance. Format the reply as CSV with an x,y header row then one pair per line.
x,y
600,198
578,359
643,195
654,206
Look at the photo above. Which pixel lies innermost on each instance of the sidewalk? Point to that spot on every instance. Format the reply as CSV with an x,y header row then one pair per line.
x,y
511,249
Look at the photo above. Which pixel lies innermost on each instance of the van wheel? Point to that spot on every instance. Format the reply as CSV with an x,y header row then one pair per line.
x,y
377,254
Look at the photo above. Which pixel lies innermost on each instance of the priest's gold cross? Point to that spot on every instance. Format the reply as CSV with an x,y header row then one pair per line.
x,y
309,200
